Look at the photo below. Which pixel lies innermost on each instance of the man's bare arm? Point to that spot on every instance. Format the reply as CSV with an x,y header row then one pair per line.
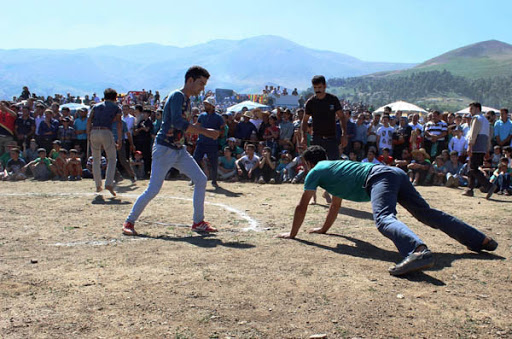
x,y
331,216
300,214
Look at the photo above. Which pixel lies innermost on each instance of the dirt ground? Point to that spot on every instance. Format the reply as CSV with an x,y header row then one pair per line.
x,y
67,272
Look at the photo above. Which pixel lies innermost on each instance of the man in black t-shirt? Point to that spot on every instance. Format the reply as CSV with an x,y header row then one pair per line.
x,y
323,108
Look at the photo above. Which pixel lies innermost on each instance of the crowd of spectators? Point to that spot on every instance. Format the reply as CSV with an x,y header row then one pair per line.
x,y
42,139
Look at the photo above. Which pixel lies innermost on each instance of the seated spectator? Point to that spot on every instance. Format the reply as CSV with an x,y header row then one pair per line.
x,y
248,165
137,165
30,153
385,158
370,157
284,160
358,149
296,169
87,171
40,167
507,150
438,171
227,166
236,151
419,167
74,165
14,169
496,157
500,179
267,167
54,153
405,160
453,168
59,166
5,157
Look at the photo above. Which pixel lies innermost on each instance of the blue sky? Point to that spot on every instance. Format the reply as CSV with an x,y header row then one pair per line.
x,y
394,31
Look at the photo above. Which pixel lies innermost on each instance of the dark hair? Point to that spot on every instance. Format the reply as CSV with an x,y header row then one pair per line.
x,y
315,154
318,80
195,72
387,108
454,153
250,146
505,110
139,107
110,94
507,149
476,104
436,112
491,113
385,149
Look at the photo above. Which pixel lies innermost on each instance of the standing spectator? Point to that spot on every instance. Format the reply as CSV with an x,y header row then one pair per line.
x,y
385,135
99,131
245,128
80,126
7,122
127,147
66,134
142,139
373,127
205,145
48,130
286,128
436,131
361,130
458,143
25,128
479,141
503,129
25,93
401,137
415,123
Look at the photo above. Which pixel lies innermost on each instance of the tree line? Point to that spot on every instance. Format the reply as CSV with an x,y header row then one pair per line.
x,y
417,86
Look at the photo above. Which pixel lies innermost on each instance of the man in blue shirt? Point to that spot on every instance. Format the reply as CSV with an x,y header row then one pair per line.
x,y
168,151
205,145
384,186
503,129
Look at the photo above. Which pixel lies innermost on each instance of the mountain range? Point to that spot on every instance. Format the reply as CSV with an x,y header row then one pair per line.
x,y
243,65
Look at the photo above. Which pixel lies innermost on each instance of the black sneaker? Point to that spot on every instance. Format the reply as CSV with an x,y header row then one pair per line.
x,y
414,262
491,245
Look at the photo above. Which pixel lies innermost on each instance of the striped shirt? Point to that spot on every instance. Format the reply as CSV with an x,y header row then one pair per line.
x,y
436,128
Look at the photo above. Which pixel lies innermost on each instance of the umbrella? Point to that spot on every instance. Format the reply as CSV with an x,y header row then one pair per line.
x,y
248,103
485,109
403,106
73,107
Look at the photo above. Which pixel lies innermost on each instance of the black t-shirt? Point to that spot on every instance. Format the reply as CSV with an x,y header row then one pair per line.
x,y
25,126
324,114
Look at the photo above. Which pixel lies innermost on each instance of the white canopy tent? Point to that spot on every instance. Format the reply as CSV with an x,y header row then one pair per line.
x,y
485,109
248,103
403,106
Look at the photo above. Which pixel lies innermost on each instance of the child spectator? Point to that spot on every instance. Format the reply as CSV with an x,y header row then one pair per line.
x,y
14,169
458,143
405,160
496,156
438,171
74,165
66,133
138,165
284,160
271,134
416,141
452,169
296,169
87,171
248,165
507,150
40,167
227,166
419,167
59,166
236,151
370,157
385,135
30,153
500,179
286,127
267,167
351,156
385,158
54,153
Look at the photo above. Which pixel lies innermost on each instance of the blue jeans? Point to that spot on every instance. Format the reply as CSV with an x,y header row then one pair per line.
x,y
163,159
388,185
212,152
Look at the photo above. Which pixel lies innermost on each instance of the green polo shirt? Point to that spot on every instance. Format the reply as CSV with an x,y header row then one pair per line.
x,y
342,178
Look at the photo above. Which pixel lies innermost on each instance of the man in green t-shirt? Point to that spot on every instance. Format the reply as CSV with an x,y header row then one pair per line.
x,y
384,186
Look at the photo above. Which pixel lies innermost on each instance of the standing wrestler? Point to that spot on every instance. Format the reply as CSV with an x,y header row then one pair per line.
x,y
99,131
323,108
168,151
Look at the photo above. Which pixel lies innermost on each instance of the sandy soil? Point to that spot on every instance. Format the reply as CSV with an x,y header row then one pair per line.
x,y
67,272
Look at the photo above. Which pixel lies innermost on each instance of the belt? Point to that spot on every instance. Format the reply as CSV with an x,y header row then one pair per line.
x,y
101,128
324,138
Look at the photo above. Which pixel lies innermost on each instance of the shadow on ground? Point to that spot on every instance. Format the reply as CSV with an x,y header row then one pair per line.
x,y
363,249
205,241
226,192
100,200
